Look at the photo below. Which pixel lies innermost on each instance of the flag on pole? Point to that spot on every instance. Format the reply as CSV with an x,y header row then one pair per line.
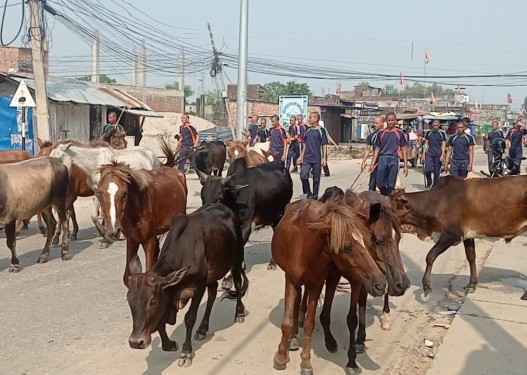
x,y
427,58
509,98
401,80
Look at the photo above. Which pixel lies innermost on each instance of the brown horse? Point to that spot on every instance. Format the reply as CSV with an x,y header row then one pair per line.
x,y
312,241
237,149
115,139
142,204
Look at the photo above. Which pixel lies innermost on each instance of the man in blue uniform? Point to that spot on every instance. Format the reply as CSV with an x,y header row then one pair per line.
x,y
515,142
188,138
278,137
253,130
112,123
293,139
433,154
263,132
460,153
371,139
390,143
314,155
494,134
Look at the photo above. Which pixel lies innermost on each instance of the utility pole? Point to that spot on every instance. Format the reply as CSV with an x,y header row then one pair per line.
x,y
181,81
95,61
241,110
41,95
141,65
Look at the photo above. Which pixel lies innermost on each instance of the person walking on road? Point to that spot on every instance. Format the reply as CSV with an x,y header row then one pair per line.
x,y
278,137
460,153
494,134
433,154
253,130
263,132
314,155
371,139
188,138
294,143
515,141
389,144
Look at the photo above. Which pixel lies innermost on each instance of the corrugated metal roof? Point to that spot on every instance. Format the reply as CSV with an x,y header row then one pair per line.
x,y
142,112
131,101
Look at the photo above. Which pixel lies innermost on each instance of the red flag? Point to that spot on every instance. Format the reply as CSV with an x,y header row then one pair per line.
x,y
401,80
509,98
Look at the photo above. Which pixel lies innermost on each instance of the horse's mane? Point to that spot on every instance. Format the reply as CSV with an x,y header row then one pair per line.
x,y
123,171
387,214
93,144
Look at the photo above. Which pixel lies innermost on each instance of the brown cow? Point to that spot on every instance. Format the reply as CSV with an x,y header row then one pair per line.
x,y
237,149
461,210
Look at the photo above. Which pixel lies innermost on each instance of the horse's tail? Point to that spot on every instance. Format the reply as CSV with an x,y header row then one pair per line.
x,y
170,155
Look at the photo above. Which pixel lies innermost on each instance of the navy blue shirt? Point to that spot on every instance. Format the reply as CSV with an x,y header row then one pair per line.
x,y
109,127
303,129
495,134
294,131
253,130
313,141
188,135
277,136
515,137
435,139
460,145
263,134
371,139
389,142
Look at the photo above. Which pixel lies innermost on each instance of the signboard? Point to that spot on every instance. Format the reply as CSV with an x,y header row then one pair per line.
x,y
292,105
22,97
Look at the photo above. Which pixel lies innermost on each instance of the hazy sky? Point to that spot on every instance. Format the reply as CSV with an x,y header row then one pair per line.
x,y
461,37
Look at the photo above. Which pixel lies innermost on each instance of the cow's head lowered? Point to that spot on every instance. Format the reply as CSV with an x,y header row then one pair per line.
x,y
413,216
148,301
217,189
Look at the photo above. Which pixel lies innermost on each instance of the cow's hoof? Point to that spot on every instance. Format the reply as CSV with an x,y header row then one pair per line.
x,y
200,336
427,290
74,237
171,347
25,227
271,266
239,318
43,259
294,345
66,256
353,370
55,241
306,371
359,349
470,289
331,345
104,245
185,360
14,268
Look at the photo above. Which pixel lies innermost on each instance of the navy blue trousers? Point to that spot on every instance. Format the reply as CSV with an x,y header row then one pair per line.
x,y
516,153
292,154
432,165
184,153
373,180
304,177
279,152
387,169
459,167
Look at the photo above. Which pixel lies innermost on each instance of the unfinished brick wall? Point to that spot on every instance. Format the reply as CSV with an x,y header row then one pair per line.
x,y
18,59
159,99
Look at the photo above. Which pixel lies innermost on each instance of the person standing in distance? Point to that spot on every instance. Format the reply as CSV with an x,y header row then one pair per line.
x,y
188,138
460,153
112,123
253,130
433,154
314,155
390,142
278,137
263,132
293,139
515,142
494,134
378,123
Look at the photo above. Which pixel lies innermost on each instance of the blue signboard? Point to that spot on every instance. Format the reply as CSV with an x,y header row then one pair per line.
x,y
10,127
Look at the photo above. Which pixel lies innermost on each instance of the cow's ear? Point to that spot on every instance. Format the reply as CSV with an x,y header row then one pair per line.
x,y
245,143
175,277
321,226
375,212
202,176
135,266
226,180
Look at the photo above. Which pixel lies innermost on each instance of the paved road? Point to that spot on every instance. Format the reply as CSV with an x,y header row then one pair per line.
x,y
73,318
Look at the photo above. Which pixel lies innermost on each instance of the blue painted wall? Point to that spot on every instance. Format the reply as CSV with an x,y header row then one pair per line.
x,y
10,134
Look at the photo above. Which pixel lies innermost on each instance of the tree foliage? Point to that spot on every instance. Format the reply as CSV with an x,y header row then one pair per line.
x,y
103,78
175,86
419,89
273,90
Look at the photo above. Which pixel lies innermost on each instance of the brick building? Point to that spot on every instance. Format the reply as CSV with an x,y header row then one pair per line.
x,y
18,60
159,99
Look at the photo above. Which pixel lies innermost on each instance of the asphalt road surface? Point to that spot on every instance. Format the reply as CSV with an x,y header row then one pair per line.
x,y
73,317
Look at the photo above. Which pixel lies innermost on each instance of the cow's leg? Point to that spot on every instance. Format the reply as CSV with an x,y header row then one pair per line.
x,y
71,210
64,221
302,309
314,293
290,296
25,224
325,315
151,251
241,283
58,231
51,225
386,321
212,290
10,233
351,367
18,226
445,241
190,320
41,225
470,252
272,264
166,344
361,333
131,251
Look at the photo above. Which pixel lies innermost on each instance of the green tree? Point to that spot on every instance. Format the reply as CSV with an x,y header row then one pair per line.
x,y
273,90
525,102
103,78
175,86
211,97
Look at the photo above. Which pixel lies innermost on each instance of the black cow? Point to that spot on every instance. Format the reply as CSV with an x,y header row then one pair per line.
x,y
199,250
258,195
209,157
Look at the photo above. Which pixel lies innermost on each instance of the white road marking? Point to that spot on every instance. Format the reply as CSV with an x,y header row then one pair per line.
x,y
112,190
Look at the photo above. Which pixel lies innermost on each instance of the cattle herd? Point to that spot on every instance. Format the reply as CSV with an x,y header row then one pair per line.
x,y
315,243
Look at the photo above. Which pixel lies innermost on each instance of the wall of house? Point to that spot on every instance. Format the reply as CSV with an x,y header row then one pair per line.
x,y
69,120
159,99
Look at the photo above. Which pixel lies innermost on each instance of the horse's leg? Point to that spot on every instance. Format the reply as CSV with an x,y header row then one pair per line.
x,y
58,231
41,225
131,251
332,281
386,321
18,226
95,220
71,210
212,289
25,224
294,344
190,319
62,213
351,367
446,240
470,252
51,225
282,355
10,233
302,309
272,264
314,293
361,334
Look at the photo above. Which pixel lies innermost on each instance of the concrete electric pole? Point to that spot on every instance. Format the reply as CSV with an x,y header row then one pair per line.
x,y
95,61
241,110
141,65
42,129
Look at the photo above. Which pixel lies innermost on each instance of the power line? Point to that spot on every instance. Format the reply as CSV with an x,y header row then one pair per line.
x,y
3,23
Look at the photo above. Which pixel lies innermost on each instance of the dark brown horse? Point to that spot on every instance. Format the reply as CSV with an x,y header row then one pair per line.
x,y
141,204
312,241
29,187
78,185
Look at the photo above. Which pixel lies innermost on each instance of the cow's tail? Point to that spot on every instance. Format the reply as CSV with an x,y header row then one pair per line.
x,y
233,293
170,155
